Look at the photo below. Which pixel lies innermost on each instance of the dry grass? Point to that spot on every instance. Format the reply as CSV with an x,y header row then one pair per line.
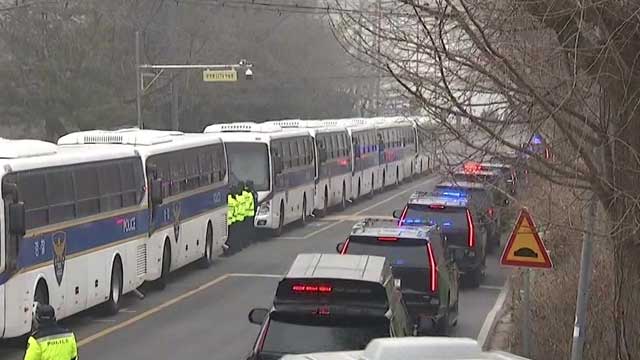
x,y
554,291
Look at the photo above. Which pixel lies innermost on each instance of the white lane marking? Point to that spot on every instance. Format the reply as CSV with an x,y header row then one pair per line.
x,y
490,320
492,287
357,217
127,311
374,205
274,276
104,320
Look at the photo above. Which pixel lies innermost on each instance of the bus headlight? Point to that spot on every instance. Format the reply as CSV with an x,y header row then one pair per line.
x,y
264,208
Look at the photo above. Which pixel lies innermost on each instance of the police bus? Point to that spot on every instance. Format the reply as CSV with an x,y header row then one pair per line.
x,y
187,184
332,157
397,137
279,163
74,228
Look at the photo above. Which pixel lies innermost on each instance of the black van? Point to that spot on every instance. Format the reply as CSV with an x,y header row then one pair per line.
x,y
330,302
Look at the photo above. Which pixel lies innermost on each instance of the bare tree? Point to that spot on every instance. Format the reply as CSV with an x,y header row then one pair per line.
x,y
564,69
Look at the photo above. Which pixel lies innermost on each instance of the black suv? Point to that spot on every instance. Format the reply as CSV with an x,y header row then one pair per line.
x,y
330,302
452,212
485,206
422,264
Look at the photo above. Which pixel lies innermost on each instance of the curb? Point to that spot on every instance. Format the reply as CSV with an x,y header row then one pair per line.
x,y
493,317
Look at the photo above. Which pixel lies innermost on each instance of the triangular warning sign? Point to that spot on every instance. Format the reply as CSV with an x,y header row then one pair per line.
x,y
525,248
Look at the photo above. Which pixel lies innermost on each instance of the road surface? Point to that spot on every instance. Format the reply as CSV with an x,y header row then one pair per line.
x,y
202,314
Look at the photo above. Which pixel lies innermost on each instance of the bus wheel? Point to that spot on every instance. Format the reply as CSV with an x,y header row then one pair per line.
x,y
42,293
166,265
278,231
303,217
343,201
112,305
325,203
372,186
207,258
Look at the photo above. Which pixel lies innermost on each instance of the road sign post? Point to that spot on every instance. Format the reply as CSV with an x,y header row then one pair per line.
x,y
525,249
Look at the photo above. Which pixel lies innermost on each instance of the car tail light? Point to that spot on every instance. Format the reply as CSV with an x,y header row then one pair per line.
x,y
436,206
310,288
344,248
433,273
472,235
403,215
387,238
263,336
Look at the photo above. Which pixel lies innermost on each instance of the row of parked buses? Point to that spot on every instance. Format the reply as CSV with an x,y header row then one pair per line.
x,y
91,218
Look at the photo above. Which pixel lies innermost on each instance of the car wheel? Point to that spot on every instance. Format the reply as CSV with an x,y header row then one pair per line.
x,y
474,278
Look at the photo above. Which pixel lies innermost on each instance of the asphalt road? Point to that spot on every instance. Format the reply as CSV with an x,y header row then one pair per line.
x,y
202,314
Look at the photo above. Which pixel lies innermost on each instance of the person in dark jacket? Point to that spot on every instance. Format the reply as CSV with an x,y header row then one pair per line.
x,y
49,341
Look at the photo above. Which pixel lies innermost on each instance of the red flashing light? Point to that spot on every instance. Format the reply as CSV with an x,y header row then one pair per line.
x,y
387,238
472,167
306,288
472,235
436,206
433,269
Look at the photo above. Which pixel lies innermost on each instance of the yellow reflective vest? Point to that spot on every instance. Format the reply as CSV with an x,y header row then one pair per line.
x,y
240,209
232,205
52,343
249,210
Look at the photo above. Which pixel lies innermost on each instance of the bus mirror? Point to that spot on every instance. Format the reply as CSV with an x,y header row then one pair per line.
x,y
156,192
396,213
17,224
340,247
258,315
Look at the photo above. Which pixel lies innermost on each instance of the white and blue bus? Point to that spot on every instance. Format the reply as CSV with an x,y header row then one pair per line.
x,y
399,149
73,229
281,166
332,154
187,182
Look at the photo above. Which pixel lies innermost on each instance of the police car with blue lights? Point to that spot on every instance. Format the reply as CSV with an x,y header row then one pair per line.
x,y
451,210
422,265
414,348
330,302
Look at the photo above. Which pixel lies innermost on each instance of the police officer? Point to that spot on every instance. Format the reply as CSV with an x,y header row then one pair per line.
x,y
240,215
48,340
250,211
231,220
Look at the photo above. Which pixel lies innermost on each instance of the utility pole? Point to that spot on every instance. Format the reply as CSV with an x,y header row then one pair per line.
x,y
580,327
139,83
378,46
173,45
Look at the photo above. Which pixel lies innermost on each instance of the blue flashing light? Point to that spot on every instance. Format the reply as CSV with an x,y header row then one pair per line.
x,y
455,194
446,224
536,139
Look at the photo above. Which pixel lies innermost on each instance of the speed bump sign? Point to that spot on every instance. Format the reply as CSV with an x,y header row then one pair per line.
x,y
525,248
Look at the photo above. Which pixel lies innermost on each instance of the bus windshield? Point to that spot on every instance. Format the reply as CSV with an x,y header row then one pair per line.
x,y
249,161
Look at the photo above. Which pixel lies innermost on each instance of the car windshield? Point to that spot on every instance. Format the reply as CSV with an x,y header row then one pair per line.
x,y
288,334
446,217
401,252
249,161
